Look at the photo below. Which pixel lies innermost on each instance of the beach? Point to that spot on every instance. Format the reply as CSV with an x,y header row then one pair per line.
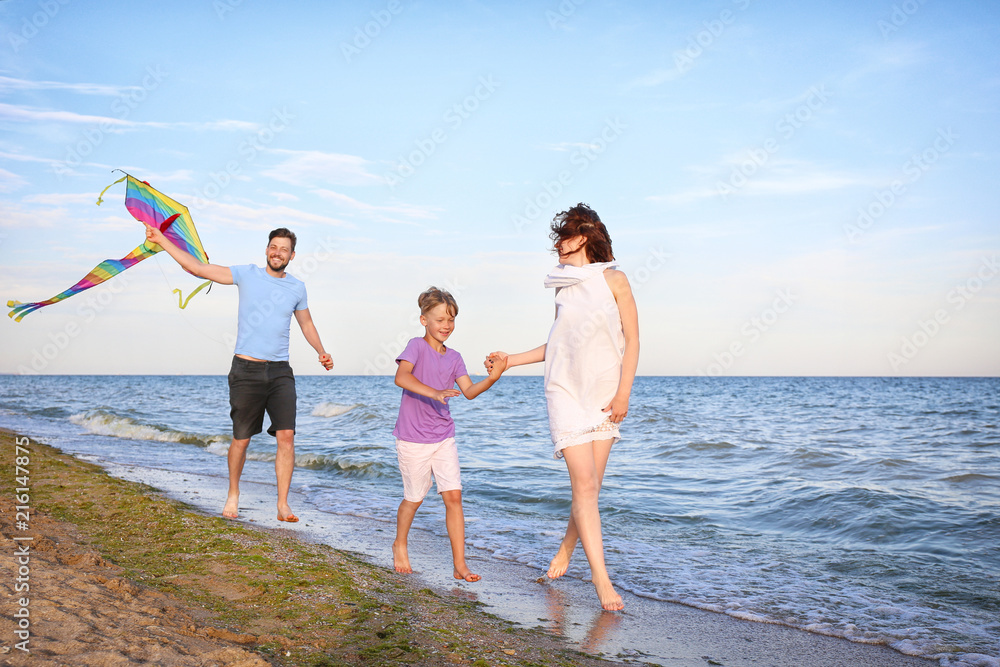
x,y
121,572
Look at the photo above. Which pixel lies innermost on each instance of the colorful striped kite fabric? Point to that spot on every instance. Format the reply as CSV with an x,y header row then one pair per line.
x,y
148,206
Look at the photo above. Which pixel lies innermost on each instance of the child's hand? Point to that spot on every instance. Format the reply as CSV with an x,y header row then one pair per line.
x,y
491,359
443,395
496,365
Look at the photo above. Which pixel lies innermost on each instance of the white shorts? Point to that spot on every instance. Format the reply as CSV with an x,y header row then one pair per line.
x,y
418,462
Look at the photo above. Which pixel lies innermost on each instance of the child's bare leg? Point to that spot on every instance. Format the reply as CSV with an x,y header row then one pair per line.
x,y
560,562
404,519
580,462
235,458
455,521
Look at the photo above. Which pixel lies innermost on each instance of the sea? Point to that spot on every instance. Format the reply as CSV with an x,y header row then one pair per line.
x,y
861,507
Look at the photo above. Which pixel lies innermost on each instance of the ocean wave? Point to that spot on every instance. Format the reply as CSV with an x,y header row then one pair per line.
x,y
103,422
971,477
711,446
341,465
329,409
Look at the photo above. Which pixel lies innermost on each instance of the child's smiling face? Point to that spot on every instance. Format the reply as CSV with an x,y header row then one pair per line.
x,y
438,322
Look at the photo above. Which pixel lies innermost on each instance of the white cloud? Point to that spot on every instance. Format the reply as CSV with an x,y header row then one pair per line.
x,y
257,216
654,78
10,181
8,83
382,213
28,114
61,199
316,167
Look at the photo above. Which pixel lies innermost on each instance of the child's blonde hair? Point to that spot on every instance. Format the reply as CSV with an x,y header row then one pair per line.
x,y
432,297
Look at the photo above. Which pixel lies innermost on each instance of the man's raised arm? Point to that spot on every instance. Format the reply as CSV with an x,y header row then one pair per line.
x,y
213,272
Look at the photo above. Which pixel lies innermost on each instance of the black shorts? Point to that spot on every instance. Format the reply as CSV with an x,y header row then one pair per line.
x,y
256,386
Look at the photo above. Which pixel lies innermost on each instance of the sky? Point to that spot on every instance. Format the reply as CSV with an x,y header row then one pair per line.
x,y
792,188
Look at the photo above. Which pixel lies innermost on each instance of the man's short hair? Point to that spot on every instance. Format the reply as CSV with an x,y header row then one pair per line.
x,y
282,233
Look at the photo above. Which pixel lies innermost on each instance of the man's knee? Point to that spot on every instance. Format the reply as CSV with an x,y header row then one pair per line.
x,y
285,437
239,445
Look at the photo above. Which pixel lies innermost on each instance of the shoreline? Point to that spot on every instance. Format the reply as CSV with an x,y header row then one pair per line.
x,y
552,615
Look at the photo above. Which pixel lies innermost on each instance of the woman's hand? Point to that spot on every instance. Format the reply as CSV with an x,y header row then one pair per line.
x,y
618,408
495,356
496,365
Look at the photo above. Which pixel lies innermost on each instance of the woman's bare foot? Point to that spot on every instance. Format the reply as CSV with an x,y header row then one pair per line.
x,y
610,600
232,507
559,564
401,559
466,573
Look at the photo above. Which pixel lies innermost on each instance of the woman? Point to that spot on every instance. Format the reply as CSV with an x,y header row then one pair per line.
x,y
590,363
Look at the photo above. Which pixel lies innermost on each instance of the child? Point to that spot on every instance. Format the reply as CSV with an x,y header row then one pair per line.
x,y
425,432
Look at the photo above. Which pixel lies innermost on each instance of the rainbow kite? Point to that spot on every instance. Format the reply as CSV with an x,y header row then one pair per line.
x,y
148,206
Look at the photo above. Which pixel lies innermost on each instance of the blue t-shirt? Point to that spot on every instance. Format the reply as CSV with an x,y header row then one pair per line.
x,y
423,419
266,307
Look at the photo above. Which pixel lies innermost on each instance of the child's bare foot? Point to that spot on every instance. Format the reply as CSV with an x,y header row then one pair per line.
x,y
232,507
610,600
559,564
466,573
401,559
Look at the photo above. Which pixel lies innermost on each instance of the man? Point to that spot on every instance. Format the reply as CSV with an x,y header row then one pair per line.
x,y
260,378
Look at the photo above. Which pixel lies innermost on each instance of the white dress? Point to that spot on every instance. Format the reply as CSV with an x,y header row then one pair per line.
x,y
583,356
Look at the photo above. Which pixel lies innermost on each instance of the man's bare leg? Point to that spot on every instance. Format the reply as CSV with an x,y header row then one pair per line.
x,y
581,464
560,562
236,458
404,519
455,522
284,464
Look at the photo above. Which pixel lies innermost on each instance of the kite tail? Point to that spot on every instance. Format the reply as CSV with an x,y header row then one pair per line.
x,y
100,197
21,309
182,302
109,268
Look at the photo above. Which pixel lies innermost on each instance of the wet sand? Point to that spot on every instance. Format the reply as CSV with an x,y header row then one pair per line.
x,y
87,610
648,631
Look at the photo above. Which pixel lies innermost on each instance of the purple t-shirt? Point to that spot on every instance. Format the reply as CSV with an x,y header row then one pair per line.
x,y
423,419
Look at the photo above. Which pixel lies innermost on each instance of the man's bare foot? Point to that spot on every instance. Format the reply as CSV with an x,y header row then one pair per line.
x,y
610,600
285,514
232,508
559,564
401,559
466,574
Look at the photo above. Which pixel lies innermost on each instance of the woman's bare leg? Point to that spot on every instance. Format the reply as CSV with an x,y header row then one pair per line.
x,y
581,462
560,562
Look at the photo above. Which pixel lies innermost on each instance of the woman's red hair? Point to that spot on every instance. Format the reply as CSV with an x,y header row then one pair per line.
x,y
581,220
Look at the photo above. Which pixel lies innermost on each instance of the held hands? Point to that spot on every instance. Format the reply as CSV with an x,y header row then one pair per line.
x,y
492,360
496,364
618,408
326,360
